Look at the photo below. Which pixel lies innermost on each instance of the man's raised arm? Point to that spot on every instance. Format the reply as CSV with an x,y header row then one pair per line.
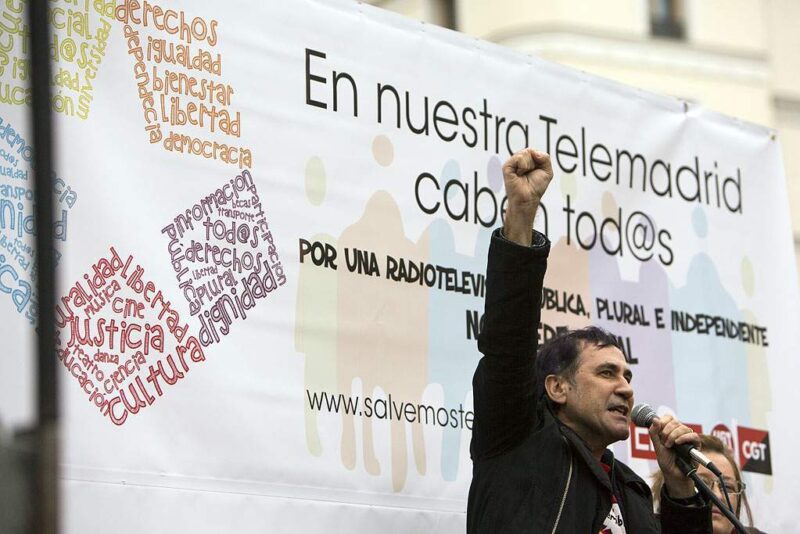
x,y
503,385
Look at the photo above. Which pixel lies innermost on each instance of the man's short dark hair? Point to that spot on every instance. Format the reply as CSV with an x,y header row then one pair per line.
x,y
559,355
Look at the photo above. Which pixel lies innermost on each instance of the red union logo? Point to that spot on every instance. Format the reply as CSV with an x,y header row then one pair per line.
x,y
724,434
754,451
642,445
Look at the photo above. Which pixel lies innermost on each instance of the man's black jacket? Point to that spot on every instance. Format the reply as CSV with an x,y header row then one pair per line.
x,y
531,474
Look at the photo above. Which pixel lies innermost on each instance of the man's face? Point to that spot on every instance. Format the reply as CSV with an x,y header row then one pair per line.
x,y
599,400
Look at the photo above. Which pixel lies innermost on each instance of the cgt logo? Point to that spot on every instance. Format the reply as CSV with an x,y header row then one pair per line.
x,y
642,446
754,451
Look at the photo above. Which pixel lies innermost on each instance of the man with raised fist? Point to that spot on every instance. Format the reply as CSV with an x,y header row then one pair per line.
x,y
543,422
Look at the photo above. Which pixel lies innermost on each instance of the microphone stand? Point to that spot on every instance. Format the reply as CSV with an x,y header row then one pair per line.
x,y
691,472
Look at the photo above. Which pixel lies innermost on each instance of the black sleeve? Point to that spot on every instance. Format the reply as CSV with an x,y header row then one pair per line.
x,y
503,384
685,516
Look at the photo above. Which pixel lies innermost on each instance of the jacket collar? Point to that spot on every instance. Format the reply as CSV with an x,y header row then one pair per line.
x,y
582,449
624,475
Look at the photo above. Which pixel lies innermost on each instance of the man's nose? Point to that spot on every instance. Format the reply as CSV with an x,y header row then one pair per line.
x,y
624,389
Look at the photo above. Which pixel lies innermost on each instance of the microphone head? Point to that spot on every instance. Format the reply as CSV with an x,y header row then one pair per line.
x,y
643,415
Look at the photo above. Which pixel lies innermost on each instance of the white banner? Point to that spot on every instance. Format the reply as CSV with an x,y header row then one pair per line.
x,y
273,220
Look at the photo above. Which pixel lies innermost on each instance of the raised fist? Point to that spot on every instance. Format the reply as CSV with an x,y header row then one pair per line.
x,y
527,175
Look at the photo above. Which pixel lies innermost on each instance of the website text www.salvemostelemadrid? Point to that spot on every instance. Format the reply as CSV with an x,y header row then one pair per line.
x,y
389,409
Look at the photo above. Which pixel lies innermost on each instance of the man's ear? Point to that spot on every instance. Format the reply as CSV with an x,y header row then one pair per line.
x,y
556,388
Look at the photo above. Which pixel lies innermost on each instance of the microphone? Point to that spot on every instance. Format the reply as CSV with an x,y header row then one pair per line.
x,y
643,415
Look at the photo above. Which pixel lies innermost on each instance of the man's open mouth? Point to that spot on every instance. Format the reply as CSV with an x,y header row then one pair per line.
x,y
621,408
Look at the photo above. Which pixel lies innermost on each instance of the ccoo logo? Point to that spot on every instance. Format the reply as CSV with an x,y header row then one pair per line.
x,y
642,445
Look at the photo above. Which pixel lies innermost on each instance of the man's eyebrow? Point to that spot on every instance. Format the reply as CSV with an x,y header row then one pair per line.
x,y
611,366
